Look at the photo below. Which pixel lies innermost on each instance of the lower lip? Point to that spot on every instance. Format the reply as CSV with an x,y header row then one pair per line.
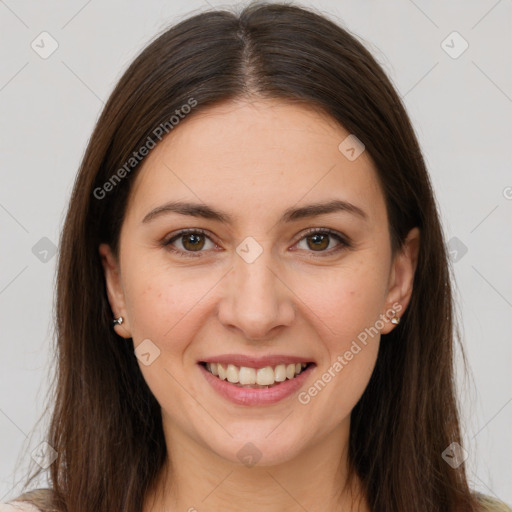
x,y
256,396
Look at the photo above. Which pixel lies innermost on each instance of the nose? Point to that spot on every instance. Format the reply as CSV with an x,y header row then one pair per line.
x,y
257,301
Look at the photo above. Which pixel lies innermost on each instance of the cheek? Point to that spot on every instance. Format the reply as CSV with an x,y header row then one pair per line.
x,y
167,306
159,302
347,301
347,308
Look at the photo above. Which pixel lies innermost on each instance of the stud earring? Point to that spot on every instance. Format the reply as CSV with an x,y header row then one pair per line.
x,y
394,319
118,321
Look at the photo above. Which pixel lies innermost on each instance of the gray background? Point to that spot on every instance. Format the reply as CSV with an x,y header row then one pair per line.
x,y
461,107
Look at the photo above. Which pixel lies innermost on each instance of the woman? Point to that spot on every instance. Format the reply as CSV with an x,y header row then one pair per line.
x,y
254,305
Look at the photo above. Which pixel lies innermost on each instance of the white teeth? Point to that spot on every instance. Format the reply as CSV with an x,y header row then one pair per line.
x,y
232,373
221,371
280,373
246,376
265,376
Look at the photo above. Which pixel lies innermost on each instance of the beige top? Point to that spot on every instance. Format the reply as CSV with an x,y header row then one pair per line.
x,y
18,506
488,505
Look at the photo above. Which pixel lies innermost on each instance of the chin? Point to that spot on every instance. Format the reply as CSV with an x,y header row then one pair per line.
x,y
260,449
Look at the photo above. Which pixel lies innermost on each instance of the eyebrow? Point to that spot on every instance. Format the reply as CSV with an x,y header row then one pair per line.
x,y
291,214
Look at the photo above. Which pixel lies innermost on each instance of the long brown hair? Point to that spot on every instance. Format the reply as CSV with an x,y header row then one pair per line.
x,y
106,425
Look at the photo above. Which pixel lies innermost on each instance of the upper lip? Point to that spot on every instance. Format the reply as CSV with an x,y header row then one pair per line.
x,y
253,361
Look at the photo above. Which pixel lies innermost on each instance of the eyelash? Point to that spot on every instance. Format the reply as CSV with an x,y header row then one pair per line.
x,y
344,242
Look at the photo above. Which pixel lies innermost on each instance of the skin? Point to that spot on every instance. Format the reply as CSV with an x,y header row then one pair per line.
x,y
253,160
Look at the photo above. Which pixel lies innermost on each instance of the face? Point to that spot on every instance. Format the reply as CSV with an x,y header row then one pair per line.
x,y
261,279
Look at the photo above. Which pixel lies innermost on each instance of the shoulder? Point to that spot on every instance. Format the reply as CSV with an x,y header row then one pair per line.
x,y
489,504
35,500
18,506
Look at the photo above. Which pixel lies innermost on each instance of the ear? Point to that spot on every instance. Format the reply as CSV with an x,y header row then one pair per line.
x,y
114,287
402,277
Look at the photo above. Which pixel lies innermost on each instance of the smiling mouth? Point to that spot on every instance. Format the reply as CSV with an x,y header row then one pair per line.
x,y
255,378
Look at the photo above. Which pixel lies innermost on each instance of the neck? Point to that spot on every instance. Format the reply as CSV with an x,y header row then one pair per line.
x,y
195,478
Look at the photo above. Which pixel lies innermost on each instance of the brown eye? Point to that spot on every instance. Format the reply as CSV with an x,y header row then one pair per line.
x,y
193,241
318,241
323,241
189,243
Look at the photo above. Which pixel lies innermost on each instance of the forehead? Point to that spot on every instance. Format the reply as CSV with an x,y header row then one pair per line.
x,y
255,156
